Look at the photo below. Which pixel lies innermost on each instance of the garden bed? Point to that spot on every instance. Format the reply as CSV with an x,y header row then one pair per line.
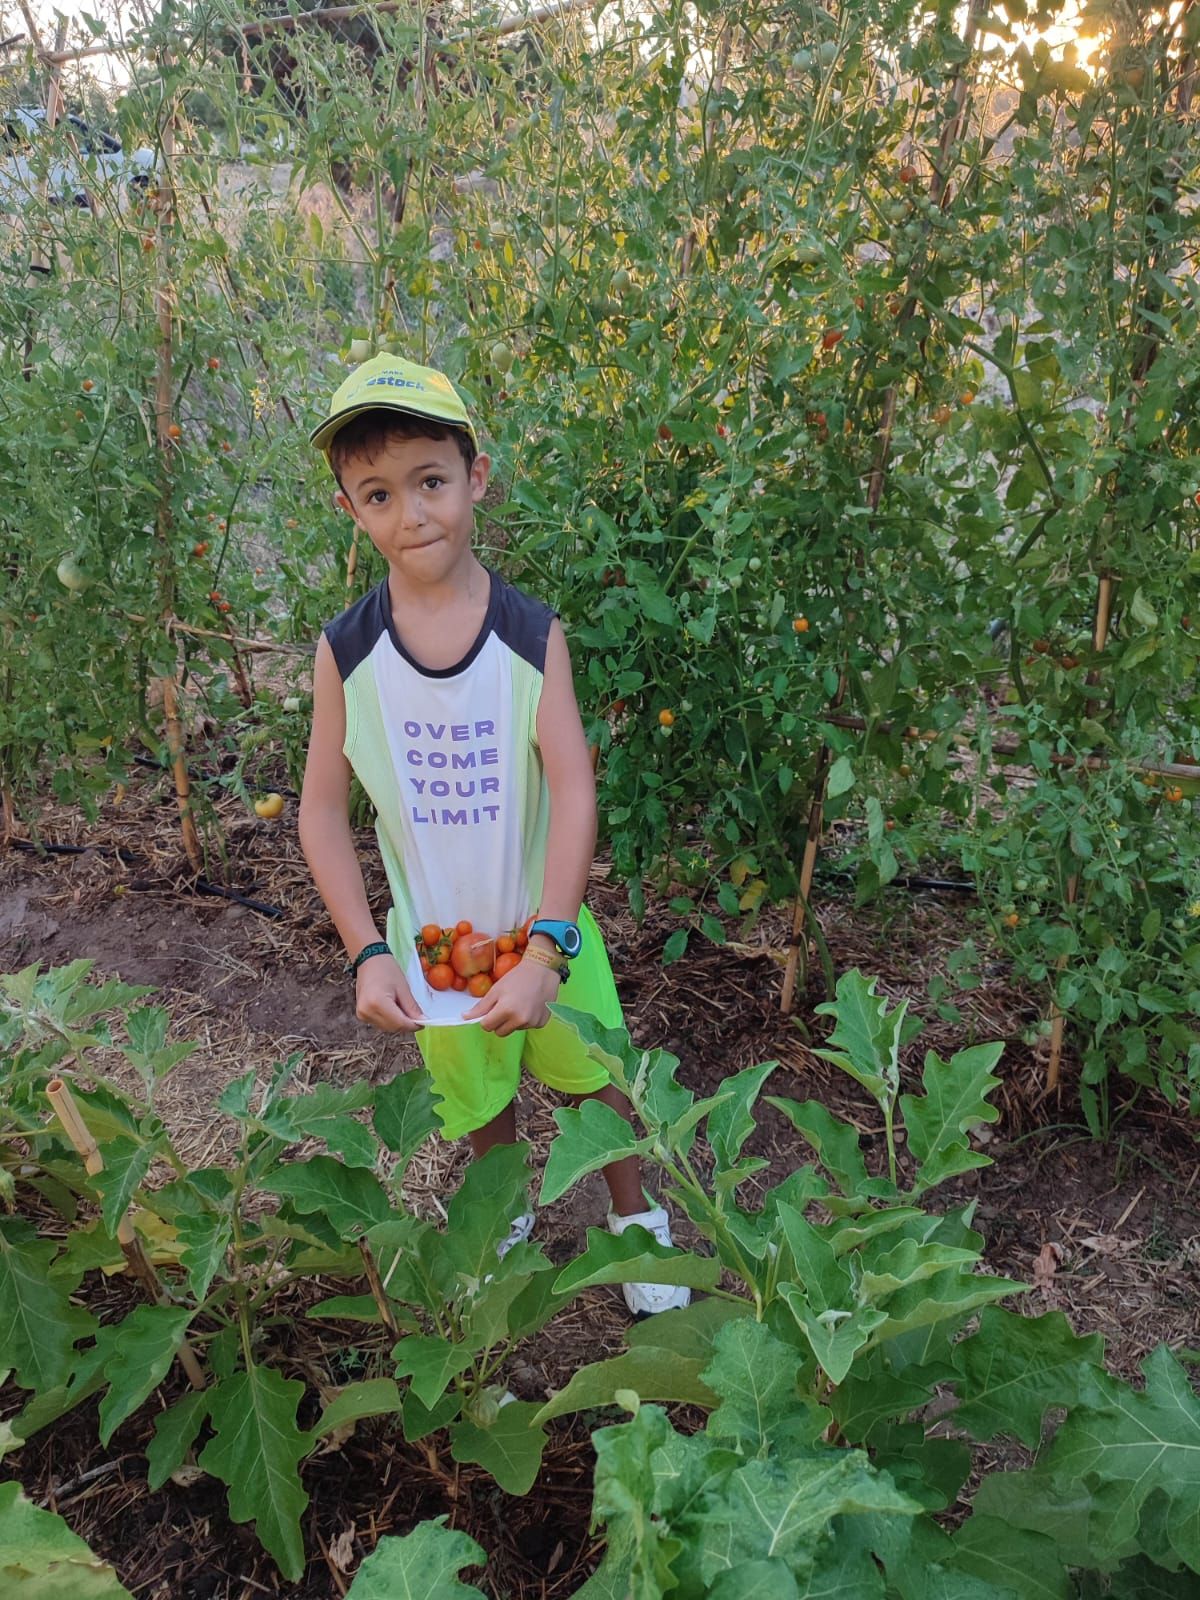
x,y
1108,1233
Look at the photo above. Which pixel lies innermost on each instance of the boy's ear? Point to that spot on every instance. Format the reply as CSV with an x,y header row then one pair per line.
x,y
342,500
480,468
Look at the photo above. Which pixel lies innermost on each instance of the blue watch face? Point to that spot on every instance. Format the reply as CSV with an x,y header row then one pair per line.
x,y
565,935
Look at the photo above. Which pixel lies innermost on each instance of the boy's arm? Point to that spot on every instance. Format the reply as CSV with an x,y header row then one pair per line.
x,y
383,995
519,999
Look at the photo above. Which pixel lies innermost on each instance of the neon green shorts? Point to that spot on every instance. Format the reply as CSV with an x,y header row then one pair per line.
x,y
477,1074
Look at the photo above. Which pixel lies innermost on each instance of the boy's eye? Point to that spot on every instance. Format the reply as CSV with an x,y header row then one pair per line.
x,y
432,482
377,497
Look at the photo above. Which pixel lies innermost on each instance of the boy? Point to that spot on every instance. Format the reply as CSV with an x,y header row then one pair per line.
x,y
449,693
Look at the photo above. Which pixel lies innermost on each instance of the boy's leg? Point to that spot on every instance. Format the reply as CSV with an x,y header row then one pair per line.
x,y
500,1130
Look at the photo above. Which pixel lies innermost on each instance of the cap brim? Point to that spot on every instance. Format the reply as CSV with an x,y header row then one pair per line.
x,y
322,436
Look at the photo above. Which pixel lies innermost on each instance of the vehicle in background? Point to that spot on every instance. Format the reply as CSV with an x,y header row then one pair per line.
x,y
87,161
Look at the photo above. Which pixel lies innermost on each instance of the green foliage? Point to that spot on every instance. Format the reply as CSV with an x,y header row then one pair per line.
x,y
421,1565
820,1470
798,394
41,1559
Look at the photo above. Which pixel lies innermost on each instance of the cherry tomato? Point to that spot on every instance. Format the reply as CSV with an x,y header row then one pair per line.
x,y
460,984
440,975
463,927
505,963
431,935
506,943
479,985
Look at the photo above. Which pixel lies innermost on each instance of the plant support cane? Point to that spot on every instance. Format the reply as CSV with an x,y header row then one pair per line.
x,y
76,1129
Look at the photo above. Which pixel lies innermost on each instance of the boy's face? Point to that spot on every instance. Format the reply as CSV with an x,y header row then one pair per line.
x,y
416,501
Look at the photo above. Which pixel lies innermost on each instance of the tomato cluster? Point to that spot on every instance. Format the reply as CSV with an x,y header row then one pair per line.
x,y
460,958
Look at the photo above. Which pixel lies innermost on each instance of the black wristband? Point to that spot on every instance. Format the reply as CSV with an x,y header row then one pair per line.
x,y
365,954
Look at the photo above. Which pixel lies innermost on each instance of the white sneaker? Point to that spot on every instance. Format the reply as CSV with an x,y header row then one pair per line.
x,y
648,1299
522,1227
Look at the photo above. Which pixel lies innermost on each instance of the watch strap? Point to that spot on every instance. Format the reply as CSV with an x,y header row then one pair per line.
x,y
566,935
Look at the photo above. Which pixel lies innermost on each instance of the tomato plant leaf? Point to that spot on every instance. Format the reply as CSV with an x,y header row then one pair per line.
x,y
42,1559
373,1397
955,1102
650,1372
405,1115
510,1448
590,1137
256,1453
841,778
38,1324
1013,1368
421,1565
635,1256
140,1352
350,1198
175,1431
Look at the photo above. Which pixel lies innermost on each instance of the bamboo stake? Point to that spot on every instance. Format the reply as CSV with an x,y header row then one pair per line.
x,y
165,307
140,1265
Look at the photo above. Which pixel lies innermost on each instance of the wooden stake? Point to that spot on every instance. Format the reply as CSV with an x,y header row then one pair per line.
x,y
140,1265
164,299
352,563
378,1292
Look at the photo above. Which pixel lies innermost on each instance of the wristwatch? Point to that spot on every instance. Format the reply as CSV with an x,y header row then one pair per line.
x,y
566,935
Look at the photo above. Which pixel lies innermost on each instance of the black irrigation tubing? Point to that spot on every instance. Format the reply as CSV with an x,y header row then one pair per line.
x,y
202,886
129,857
910,881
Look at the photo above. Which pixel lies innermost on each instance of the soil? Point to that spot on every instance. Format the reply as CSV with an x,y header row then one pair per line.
x,y
1108,1232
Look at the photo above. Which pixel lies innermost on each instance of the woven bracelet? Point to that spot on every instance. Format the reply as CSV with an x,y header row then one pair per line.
x,y
365,954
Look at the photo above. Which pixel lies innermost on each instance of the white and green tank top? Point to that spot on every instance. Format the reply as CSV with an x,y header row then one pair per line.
x,y
451,762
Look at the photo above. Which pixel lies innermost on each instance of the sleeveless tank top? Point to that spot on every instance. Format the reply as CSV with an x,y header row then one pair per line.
x,y
451,762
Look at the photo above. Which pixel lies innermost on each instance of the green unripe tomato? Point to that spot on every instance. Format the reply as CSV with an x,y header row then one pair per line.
x,y
501,356
827,52
360,350
71,575
754,564
621,281
802,60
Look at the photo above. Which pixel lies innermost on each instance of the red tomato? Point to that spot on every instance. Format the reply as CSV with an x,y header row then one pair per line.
x,y
506,943
505,963
440,976
460,984
431,935
463,927
479,985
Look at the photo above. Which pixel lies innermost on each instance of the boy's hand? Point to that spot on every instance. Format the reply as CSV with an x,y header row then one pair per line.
x,y
518,1000
383,997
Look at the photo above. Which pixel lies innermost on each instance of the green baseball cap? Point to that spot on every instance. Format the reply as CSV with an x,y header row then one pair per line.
x,y
391,384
